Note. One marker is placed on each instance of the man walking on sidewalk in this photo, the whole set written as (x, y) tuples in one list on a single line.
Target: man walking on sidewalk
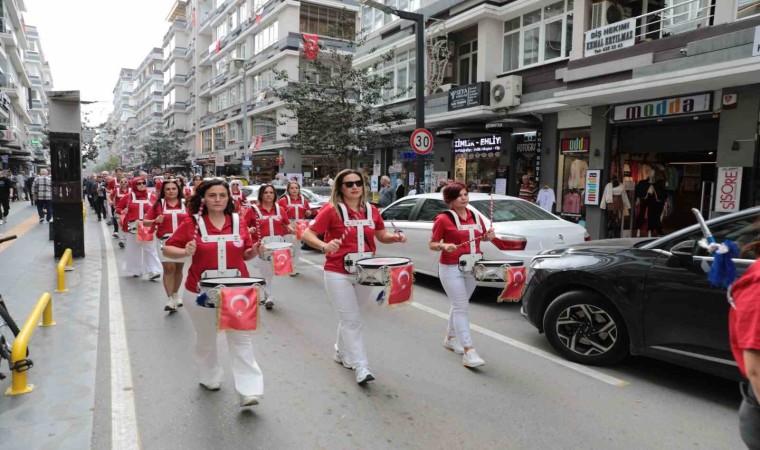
[(6, 191), (99, 197), (42, 188)]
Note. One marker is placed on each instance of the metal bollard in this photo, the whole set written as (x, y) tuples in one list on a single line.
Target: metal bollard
[(65, 264), (20, 364)]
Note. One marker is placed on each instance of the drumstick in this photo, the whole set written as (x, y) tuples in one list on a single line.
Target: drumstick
[(491, 209), (198, 218)]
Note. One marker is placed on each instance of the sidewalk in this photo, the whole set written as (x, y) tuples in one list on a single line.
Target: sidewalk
[(58, 413)]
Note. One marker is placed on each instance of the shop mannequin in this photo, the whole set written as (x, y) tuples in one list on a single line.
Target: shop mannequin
[(615, 201), (546, 198), (650, 198)]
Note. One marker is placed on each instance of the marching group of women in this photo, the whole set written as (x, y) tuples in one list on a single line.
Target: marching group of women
[(211, 224)]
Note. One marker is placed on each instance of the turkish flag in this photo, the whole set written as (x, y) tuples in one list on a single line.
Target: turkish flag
[(301, 226), (515, 284), (258, 18), (195, 17), (400, 289), (218, 45), (310, 46), (238, 309), (144, 232), (257, 145), (283, 262)]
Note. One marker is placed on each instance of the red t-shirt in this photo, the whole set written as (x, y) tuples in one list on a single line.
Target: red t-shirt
[(279, 224), (445, 228), (189, 190), (205, 257), (239, 202), (117, 194), (111, 185), (301, 205), (166, 227), (330, 223), (131, 210), (744, 319)]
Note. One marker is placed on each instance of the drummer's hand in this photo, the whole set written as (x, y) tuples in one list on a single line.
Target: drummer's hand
[(399, 236), (332, 246), (249, 253), (190, 248), (308, 213), (448, 247), (489, 235), (251, 230), (160, 219)]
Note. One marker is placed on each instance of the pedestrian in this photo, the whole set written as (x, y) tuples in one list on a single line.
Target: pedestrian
[(190, 189), (119, 192), (20, 183), (339, 221), (42, 189), (28, 187), (89, 189), (141, 258), (744, 337), (166, 215), (456, 233), (400, 190), (527, 190), (211, 206), (99, 196), (14, 194), (6, 192), (297, 208), (386, 192), (238, 198), (267, 223), (413, 190)]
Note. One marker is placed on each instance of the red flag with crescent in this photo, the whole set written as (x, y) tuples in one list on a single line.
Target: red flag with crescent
[(515, 284), (218, 45), (400, 289), (283, 262), (310, 46), (144, 232), (238, 309), (257, 145), (258, 18), (301, 226)]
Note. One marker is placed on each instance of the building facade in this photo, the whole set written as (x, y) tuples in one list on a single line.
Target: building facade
[(41, 82), (120, 131), (147, 100)]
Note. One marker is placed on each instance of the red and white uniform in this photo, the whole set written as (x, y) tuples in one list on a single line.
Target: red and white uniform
[(240, 202), (744, 317), (173, 216), (188, 191), (140, 258), (296, 209), (271, 222), (447, 229), (117, 194)]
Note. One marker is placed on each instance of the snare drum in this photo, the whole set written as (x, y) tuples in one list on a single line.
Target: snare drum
[(493, 270), (271, 247), (211, 286), (376, 271)]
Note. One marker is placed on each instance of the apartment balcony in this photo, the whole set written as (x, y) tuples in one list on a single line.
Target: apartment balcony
[(174, 108), (36, 104), (173, 82), (169, 57), (7, 33)]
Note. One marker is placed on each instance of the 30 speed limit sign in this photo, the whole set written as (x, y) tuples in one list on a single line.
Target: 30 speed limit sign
[(421, 141)]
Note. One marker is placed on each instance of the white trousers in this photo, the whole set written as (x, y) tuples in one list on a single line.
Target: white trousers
[(249, 380), (141, 258), (459, 287), (266, 269), (296, 249), (345, 296)]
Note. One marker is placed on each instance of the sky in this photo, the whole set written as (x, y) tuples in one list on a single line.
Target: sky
[(88, 42)]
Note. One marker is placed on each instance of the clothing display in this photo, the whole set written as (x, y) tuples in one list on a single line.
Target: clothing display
[(572, 202), (615, 198), (577, 177), (546, 198)]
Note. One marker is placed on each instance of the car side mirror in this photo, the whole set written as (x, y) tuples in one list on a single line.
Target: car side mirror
[(683, 253)]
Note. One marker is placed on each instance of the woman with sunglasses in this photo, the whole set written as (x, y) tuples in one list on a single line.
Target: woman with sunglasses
[(166, 215), (141, 258), (238, 199), (120, 190), (212, 203), (348, 202), (297, 208), (268, 223)]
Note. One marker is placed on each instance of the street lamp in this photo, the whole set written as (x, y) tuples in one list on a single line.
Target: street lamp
[(240, 64), (419, 20)]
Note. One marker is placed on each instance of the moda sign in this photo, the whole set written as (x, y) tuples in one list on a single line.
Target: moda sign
[(668, 107)]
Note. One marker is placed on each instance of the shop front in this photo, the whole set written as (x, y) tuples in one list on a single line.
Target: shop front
[(480, 162), (572, 163), (265, 165)]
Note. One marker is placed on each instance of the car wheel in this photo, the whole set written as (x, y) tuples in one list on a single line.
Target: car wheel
[(585, 328)]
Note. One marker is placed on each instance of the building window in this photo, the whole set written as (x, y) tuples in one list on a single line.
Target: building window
[(468, 63), (233, 132), (373, 19), (747, 8), (401, 73), (220, 139), (328, 22), (266, 38), (540, 36), (265, 126), (206, 144)]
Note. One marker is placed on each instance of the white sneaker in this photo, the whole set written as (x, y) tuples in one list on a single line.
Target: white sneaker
[(154, 275), (338, 358), (472, 359), (178, 300), (249, 400), (363, 375), (452, 343), (171, 305)]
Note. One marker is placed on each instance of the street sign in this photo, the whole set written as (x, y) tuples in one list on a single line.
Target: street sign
[(421, 141), (219, 160)]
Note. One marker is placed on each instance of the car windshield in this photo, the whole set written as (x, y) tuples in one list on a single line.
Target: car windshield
[(511, 210)]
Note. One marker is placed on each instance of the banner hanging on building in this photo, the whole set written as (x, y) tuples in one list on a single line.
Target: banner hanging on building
[(729, 187)]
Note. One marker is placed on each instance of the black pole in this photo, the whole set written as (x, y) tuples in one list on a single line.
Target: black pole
[(419, 20)]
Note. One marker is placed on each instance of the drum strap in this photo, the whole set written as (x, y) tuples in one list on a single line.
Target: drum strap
[(271, 219), (173, 212), (469, 228), (359, 224), (140, 204), (296, 206), (220, 239)]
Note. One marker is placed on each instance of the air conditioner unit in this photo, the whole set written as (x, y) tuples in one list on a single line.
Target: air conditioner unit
[(506, 92), (444, 88), (607, 12)]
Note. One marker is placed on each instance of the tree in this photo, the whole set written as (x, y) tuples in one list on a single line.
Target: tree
[(164, 149), (340, 110), (110, 165)]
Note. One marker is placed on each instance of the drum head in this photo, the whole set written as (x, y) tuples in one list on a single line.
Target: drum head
[(231, 281), (277, 245), (381, 262)]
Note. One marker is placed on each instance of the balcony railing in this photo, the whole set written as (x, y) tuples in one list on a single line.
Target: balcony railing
[(685, 16)]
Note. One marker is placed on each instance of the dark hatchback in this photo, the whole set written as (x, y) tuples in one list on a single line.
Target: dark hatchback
[(600, 301)]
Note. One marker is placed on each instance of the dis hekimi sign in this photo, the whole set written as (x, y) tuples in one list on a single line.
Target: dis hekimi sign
[(666, 107)]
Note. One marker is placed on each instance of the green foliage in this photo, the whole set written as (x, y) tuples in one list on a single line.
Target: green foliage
[(112, 163), (164, 149)]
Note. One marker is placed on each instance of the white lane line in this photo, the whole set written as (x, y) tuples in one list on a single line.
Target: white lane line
[(530, 349), (123, 418), (310, 263)]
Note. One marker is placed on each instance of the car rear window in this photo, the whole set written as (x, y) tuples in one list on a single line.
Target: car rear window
[(512, 210)]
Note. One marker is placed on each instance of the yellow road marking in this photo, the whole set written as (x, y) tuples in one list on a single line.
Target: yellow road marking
[(19, 230)]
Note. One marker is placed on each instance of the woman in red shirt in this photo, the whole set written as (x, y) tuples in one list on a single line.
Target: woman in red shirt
[(239, 200), (166, 215), (297, 208), (191, 187), (456, 233), (141, 258), (268, 223), (119, 191), (348, 203), (212, 203)]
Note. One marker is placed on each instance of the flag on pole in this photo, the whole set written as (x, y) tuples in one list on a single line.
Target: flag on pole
[(257, 145), (258, 18), (238, 309), (515, 284), (283, 262), (218, 45), (400, 288), (310, 46)]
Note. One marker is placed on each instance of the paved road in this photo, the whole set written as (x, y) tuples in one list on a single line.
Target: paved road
[(423, 396)]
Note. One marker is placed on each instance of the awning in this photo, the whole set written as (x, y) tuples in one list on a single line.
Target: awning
[(514, 122)]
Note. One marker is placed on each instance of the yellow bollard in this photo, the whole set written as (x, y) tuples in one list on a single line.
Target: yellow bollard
[(43, 308), (66, 263)]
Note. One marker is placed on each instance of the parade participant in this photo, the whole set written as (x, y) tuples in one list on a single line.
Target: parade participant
[(121, 190), (268, 223), (141, 257), (297, 208), (456, 234), (190, 188), (350, 226), (238, 198), (166, 215), (212, 206)]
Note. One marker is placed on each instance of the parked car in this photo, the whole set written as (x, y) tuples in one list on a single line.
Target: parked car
[(600, 301), (316, 202), (528, 228)]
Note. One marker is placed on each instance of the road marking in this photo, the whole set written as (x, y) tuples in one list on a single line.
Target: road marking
[(310, 263), (530, 349), (19, 230), (123, 418)]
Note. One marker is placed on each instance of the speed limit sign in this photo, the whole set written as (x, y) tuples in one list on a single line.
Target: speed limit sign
[(421, 141)]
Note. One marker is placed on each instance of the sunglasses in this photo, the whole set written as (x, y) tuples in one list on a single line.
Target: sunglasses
[(350, 184), (140, 183)]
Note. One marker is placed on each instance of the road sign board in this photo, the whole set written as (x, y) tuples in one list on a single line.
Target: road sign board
[(421, 141), (219, 160)]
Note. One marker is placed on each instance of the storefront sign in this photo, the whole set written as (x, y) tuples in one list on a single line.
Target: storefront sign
[(482, 144), (526, 142), (468, 96), (728, 194), (668, 107), (610, 37), (593, 188), (537, 167), (577, 145)]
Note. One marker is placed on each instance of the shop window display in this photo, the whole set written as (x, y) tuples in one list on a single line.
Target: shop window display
[(573, 162)]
